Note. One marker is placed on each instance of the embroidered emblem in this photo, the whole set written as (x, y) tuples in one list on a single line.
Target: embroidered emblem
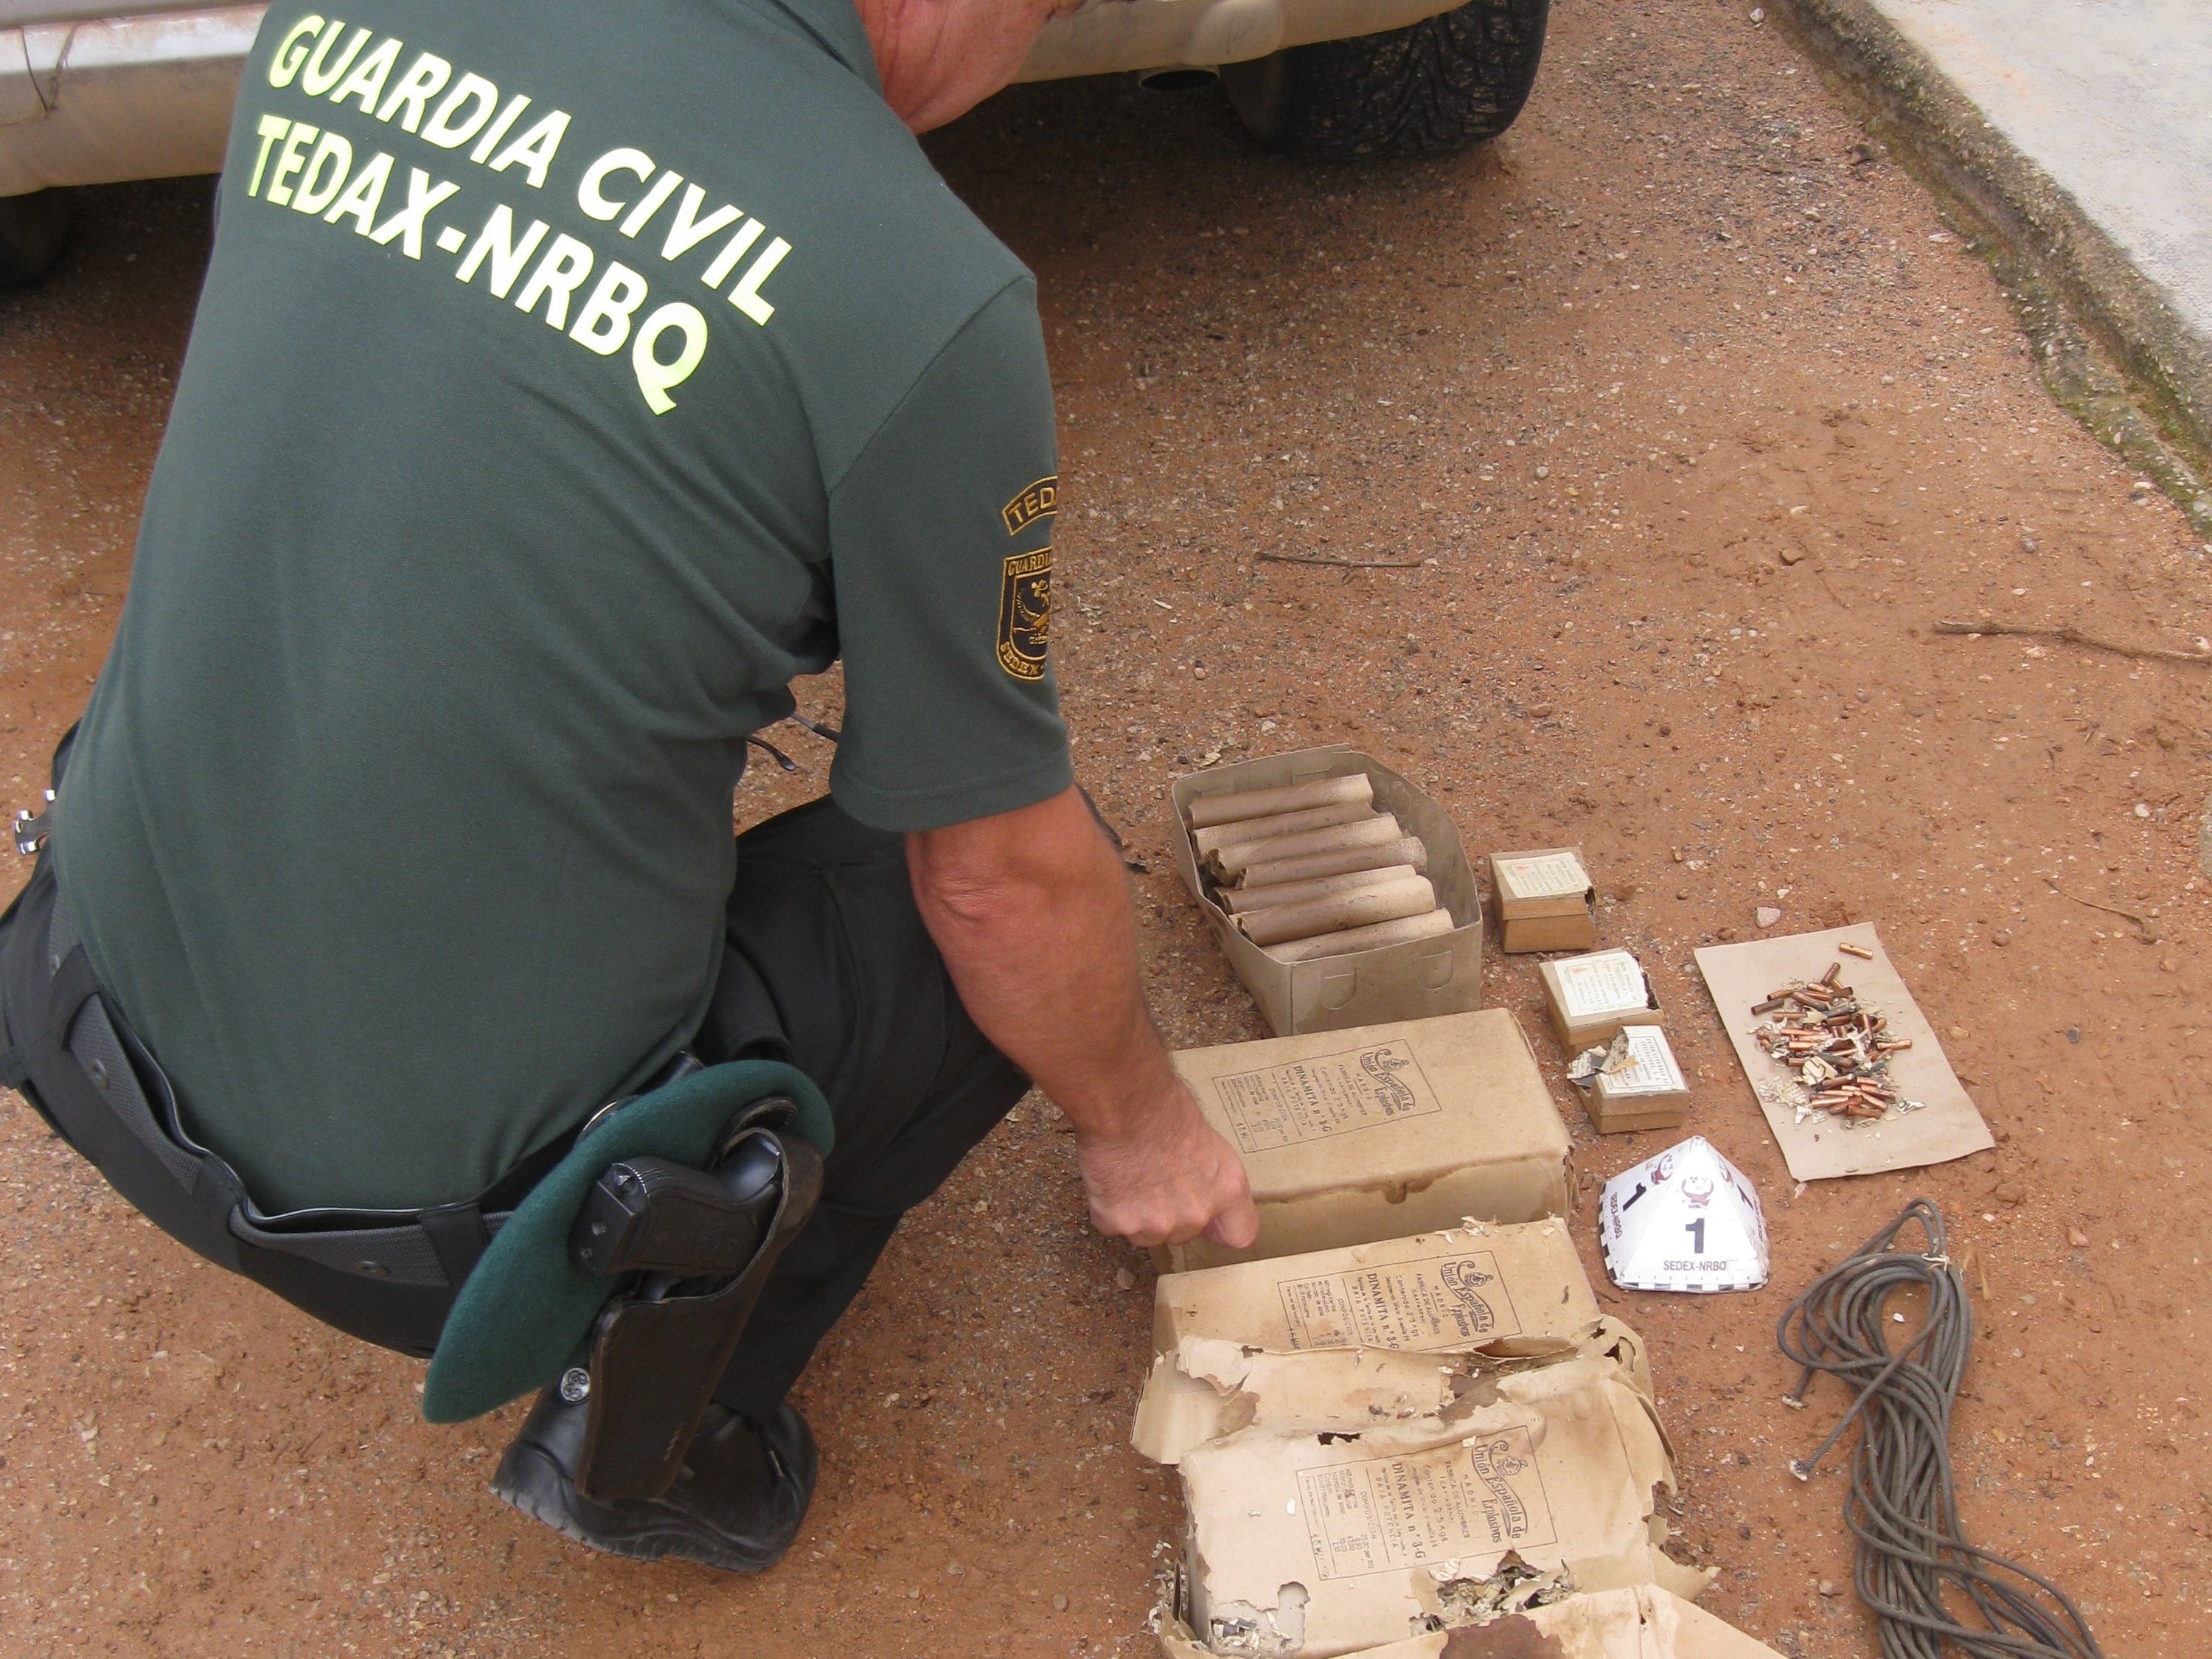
[(1025, 613), (1041, 500)]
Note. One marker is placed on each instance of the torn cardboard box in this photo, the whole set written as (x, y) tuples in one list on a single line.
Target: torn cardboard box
[(1320, 1540), (1206, 1387), (1401, 967), (1350, 1137), (1646, 1090), (1462, 1288), (1545, 900), (1644, 1622), (1592, 997)]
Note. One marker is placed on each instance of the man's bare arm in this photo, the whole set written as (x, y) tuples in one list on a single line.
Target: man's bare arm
[(1031, 911)]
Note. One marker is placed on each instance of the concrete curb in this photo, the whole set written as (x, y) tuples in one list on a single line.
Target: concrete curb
[(2109, 343)]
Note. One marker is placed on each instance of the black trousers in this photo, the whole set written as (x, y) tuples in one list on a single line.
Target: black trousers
[(826, 964), (828, 957)]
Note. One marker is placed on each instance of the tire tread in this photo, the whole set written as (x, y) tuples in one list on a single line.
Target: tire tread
[(1454, 80)]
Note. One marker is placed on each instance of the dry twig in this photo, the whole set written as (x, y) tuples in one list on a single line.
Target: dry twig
[(2142, 926), (1343, 564), (2070, 635)]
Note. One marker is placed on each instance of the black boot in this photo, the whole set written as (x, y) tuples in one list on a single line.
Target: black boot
[(735, 1505)]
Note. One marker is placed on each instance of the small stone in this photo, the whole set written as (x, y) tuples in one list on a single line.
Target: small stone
[(1679, 854), (1543, 471), (2073, 1034), (913, 1592), (2010, 1192), (2168, 965), (1768, 915), (2076, 1237), (1792, 555), (1128, 1517), (1124, 1279), (1060, 1604), (1829, 1587), (1728, 935), (1667, 731), (2001, 936), (1958, 1030), (2142, 808), (1683, 894)]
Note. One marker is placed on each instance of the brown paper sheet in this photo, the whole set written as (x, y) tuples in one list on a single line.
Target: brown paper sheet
[(1946, 1126)]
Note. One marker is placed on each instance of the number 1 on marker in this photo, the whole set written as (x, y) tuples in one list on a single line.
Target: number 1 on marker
[(1697, 1232)]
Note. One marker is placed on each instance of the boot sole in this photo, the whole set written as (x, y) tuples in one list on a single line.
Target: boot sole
[(530, 1481)]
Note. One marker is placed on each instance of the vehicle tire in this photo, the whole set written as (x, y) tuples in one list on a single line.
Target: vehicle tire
[(32, 231), (1449, 81)]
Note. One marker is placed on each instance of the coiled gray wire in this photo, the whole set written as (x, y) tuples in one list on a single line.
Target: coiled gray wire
[(1914, 1566)]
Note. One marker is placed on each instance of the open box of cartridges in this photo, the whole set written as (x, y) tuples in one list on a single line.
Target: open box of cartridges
[(1376, 869)]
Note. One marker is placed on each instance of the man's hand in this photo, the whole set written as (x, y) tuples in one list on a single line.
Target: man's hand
[(1169, 1182), (1031, 911)]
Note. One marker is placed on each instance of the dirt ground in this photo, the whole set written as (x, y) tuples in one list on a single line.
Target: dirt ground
[(1696, 414)]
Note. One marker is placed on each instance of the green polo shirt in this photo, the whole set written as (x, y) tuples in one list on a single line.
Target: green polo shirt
[(567, 379)]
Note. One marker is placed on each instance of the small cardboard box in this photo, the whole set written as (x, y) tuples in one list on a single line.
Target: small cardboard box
[(1648, 1093), (1416, 980), (1321, 1538), (1545, 900), (1643, 1622), (1464, 1288), (1593, 997), (1349, 1137)]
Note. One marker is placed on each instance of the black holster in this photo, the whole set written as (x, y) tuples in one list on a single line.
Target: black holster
[(659, 1347)]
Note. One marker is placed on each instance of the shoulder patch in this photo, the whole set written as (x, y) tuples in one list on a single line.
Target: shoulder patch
[(1039, 501), (1025, 613)]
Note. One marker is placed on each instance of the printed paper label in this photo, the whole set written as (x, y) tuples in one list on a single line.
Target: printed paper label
[(1553, 875), (1443, 1302), (1607, 983), (1333, 1095), (1391, 1513), (1650, 1070)]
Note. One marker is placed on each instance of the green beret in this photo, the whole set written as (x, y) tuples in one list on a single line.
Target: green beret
[(527, 1309)]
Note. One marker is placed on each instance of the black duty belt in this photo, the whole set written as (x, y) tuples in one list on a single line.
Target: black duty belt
[(385, 1275)]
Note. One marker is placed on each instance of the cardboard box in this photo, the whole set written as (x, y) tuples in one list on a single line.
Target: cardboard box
[(1545, 900), (1643, 1622), (1479, 1286), (1320, 1539), (1206, 1387), (1649, 1093), (1592, 997), (1351, 1137), (1420, 979)]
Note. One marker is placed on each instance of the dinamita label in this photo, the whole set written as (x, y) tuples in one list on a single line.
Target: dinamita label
[(1333, 1095), (1442, 1302), (1545, 875), (1387, 1514), (1650, 1070), (1606, 983)]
